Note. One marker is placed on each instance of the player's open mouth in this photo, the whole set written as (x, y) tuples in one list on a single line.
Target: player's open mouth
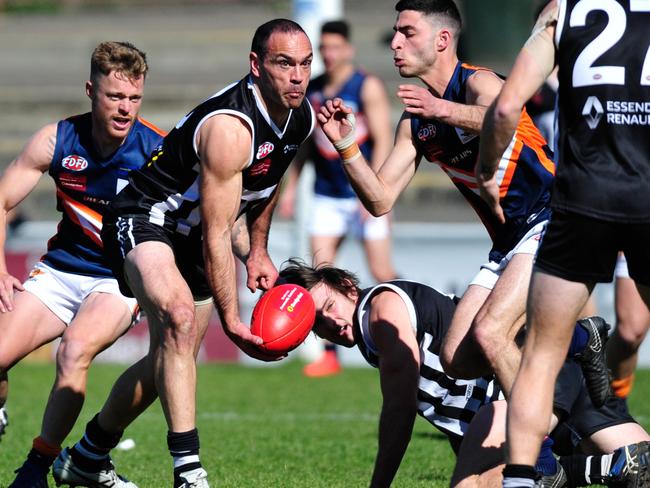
[(121, 123)]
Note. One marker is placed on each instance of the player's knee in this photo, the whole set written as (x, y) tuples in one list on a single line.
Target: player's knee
[(73, 356), (181, 329), (486, 334), (450, 362)]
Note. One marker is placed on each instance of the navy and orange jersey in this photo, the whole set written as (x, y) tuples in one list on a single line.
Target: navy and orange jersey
[(85, 184), (330, 177), (525, 172)]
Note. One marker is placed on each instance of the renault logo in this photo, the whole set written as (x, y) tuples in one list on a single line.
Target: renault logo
[(592, 111)]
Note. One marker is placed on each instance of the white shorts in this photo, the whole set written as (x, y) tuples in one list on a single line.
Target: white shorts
[(621, 267), (63, 292), (342, 216), (491, 271)]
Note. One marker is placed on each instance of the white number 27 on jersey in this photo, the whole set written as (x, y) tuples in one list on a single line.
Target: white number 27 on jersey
[(584, 74)]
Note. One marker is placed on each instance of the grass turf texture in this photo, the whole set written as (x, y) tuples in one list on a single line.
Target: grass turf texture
[(260, 427)]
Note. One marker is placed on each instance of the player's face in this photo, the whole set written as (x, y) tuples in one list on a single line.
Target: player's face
[(413, 44), (334, 313), (335, 50), (285, 69), (116, 101)]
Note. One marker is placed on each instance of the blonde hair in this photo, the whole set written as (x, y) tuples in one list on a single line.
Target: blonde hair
[(122, 57)]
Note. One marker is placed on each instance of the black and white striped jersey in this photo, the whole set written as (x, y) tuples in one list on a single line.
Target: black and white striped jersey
[(449, 404), (167, 186)]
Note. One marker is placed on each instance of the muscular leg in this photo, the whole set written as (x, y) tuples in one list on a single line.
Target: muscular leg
[(553, 307), (163, 293), (501, 317), (380, 262), (460, 355), (100, 321), (632, 323), (30, 325), (135, 389)]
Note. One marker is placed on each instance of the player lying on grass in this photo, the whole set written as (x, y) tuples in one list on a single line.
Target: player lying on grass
[(398, 327)]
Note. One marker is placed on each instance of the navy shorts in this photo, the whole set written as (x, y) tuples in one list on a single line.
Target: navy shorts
[(583, 249)]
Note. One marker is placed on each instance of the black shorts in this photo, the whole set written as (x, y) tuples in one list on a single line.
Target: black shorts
[(583, 249), (123, 233), (585, 420)]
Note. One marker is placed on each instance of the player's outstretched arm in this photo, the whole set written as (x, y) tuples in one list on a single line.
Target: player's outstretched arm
[(18, 180), (534, 64), (399, 361), (378, 191), (224, 148)]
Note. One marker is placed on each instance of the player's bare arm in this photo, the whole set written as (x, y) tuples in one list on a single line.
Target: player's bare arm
[(399, 361), (18, 180), (483, 87), (240, 239), (533, 65), (377, 110), (224, 148), (377, 191), (261, 271)]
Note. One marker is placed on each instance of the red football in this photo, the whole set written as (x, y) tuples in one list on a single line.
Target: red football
[(283, 317)]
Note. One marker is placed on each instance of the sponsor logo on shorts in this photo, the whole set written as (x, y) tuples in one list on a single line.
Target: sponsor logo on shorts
[(74, 163), (264, 150)]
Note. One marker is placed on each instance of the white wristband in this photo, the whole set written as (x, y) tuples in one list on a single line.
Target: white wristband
[(349, 140)]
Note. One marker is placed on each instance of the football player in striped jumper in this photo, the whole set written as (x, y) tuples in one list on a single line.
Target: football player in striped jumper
[(398, 326), (173, 234), (442, 124), (71, 293)]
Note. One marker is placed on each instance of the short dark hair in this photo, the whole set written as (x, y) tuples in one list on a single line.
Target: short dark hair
[(340, 27), (297, 272), (264, 31), (445, 8)]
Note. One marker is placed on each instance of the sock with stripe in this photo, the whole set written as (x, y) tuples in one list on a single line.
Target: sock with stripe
[(91, 452), (519, 476), (184, 448), (42, 453), (582, 470)]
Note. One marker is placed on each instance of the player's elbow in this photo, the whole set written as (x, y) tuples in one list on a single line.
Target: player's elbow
[(506, 108)]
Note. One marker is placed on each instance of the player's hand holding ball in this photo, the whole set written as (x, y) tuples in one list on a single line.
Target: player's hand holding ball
[(283, 317)]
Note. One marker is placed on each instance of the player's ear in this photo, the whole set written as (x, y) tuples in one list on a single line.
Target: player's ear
[(444, 40), (89, 89), (255, 62)]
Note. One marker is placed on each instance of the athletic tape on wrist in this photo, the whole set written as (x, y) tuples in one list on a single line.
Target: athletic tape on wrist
[(347, 147)]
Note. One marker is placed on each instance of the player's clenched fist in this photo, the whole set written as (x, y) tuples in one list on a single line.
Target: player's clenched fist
[(337, 121)]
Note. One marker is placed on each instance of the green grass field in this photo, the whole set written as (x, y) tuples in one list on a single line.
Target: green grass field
[(260, 427)]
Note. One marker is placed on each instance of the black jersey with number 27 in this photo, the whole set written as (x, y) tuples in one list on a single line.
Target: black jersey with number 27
[(603, 53)]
